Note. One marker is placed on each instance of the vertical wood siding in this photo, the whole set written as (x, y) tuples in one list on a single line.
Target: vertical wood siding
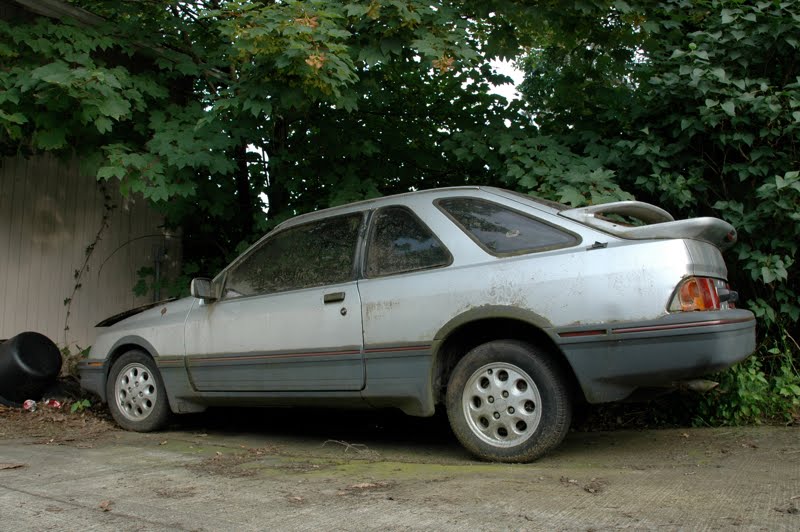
[(49, 214)]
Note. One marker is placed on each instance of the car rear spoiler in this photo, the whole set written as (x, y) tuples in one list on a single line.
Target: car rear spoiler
[(660, 223)]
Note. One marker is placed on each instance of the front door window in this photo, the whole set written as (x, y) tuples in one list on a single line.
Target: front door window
[(309, 255)]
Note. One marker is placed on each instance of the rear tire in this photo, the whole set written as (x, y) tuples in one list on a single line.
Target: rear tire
[(508, 401), (136, 395)]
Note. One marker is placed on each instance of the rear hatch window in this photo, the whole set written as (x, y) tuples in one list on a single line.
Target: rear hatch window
[(501, 230)]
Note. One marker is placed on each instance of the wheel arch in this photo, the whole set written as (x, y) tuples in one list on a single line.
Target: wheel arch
[(120, 347), (483, 324)]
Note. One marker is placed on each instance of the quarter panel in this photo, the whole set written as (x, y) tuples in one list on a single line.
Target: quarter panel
[(707, 260), (565, 287)]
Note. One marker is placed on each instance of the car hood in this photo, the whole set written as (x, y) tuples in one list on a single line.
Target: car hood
[(147, 311)]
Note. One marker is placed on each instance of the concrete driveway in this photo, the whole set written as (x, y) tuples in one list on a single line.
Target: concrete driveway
[(319, 470)]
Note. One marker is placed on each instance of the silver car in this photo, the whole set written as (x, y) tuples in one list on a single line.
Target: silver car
[(504, 308)]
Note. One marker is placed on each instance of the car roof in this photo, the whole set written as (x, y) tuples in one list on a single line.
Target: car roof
[(431, 194), (418, 195)]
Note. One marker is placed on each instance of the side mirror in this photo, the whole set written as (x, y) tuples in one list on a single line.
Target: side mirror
[(201, 288)]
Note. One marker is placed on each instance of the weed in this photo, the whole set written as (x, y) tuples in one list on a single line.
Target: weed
[(71, 356), (80, 406), (765, 387)]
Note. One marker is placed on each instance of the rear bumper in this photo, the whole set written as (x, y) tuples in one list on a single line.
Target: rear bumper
[(612, 360), (93, 377)]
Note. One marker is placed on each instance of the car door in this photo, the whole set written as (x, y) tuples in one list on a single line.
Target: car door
[(404, 287), (289, 316)]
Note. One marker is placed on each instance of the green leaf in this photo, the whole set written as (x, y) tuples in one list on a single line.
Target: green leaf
[(370, 55), (727, 16), (107, 172), (14, 118), (57, 73), (356, 10), (103, 124), (729, 107), (114, 107), (391, 46), (571, 196), (622, 6), (257, 107), (51, 139), (348, 102)]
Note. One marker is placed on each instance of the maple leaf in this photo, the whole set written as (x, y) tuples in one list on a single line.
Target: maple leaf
[(316, 61), (311, 22), (444, 63)]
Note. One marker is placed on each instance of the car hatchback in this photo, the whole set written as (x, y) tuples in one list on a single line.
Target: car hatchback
[(504, 308)]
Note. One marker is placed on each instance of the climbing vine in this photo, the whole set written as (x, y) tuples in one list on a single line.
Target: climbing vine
[(108, 208)]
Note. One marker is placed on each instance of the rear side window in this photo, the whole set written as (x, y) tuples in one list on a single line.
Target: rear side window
[(400, 242), (501, 230)]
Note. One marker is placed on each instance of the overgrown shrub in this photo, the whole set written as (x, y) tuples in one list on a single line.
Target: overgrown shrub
[(695, 107)]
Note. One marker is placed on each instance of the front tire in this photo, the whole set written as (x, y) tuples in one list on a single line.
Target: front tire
[(507, 401), (136, 395)]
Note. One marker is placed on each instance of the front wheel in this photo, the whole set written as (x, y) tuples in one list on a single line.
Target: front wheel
[(508, 402), (136, 395)]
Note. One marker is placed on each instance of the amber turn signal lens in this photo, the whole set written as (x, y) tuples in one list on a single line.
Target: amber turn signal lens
[(696, 293)]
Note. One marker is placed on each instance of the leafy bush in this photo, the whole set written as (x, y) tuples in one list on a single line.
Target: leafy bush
[(695, 107), (747, 394)]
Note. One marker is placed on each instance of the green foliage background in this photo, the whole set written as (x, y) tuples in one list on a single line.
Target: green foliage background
[(217, 110), (695, 106)]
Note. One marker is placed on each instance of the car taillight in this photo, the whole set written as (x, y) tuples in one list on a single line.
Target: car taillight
[(696, 293)]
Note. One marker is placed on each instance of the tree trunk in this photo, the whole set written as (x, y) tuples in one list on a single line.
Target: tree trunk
[(244, 194), (276, 191)]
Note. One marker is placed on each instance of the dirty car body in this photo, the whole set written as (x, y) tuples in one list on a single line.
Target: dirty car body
[(504, 308)]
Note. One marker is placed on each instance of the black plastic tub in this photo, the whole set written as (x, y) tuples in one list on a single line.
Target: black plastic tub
[(29, 364)]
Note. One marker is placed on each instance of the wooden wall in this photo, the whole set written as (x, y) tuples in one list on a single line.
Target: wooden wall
[(49, 214)]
